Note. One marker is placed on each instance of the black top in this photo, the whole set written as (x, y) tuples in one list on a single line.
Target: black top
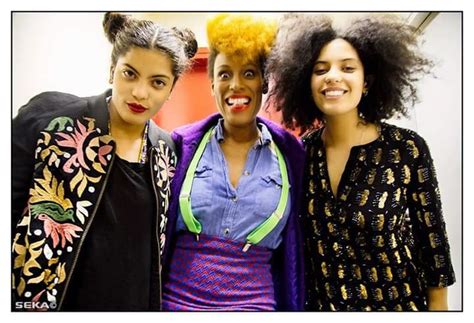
[(382, 241), (113, 271)]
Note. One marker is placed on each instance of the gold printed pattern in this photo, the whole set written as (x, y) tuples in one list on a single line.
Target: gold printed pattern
[(344, 292), (311, 207), (373, 275), (395, 156), (406, 175), (378, 156), (320, 247), (382, 200), (388, 174), (340, 271), (424, 198), (388, 274), (378, 295), (364, 197), (423, 175), (360, 220), (356, 272), (413, 149), (379, 220), (363, 245), (363, 291), (371, 176)]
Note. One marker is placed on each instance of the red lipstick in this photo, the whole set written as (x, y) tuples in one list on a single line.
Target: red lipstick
[(137, 108)]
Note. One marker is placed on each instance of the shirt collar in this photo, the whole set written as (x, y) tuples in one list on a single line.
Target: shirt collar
[(264, 135)]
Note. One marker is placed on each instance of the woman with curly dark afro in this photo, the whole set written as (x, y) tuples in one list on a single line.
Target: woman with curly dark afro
[(375, 238)]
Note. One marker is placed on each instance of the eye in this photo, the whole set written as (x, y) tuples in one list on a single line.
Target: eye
[(128, 74), (348, 69), (319, 70), (249, 73), (223, 75), (159, 84)]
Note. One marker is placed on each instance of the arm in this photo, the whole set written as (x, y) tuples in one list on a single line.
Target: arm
[(23, 146), (438, 298), (429, 227)]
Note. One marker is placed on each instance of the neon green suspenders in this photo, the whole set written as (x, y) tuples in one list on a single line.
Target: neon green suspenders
[(259, 232)]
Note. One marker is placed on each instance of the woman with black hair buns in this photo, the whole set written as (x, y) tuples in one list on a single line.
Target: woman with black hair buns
[(91, 180)]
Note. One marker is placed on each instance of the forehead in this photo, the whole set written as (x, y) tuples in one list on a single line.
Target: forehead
[(338, 49), (234, 61), (147, 61)]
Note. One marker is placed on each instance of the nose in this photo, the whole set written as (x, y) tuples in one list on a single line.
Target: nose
[(140, 91), (236, 83), (332, 76)]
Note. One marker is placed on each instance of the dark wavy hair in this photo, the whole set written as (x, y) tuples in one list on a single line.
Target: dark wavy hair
[(387, 48), (124, 33)]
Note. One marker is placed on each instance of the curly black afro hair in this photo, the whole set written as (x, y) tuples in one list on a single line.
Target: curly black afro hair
[(387, 47)]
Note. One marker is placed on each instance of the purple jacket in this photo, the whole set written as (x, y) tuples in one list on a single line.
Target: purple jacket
[(287, 263)]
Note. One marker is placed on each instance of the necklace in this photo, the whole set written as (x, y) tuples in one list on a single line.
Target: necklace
[(143, 144)]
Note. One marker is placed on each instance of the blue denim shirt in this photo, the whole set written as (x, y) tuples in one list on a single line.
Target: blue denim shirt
[(232, 213)]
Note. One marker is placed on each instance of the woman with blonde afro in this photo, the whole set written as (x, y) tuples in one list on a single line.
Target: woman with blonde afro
[(236, 245)]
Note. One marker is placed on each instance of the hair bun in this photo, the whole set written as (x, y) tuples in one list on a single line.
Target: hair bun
[(189, 40), (113, 23)]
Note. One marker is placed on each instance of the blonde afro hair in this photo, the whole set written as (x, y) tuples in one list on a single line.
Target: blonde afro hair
[(244, 37)]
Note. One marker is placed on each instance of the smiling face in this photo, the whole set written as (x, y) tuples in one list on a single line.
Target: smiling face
[(237, 88), (337, 82), (142, 81)]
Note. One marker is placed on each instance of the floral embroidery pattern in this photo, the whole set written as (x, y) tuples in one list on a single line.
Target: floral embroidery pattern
[(71, 161), (165, 164)]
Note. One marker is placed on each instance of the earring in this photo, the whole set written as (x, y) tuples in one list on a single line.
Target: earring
[(365, 92)]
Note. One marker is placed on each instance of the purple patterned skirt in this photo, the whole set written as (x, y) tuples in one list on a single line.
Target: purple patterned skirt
[(214, 274)]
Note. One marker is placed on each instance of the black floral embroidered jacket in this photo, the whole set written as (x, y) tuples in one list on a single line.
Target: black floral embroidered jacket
[(61, 157)]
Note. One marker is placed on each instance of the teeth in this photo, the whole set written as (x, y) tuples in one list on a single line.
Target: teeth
[(334, 93), (238, 101)]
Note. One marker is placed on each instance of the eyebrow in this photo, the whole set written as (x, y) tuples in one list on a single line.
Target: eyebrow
[(153, 76), (342, 60)]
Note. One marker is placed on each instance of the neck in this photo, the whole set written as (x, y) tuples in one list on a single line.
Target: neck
[(119, 129), (241, 135), (345, 129)]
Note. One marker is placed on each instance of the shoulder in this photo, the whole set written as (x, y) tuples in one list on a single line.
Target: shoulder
[(159, 136), (52, 104), (311, 137), (398, 134), (45, 107), (280, 135), (405, 140), (194, 131)]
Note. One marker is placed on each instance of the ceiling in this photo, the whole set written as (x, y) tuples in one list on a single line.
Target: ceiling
[(196, 21)]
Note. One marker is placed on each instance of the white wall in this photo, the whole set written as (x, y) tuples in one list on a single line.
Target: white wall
[(65, 52), (437, 118)]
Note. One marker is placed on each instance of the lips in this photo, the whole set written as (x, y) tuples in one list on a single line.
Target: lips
[(137, 108), (333, 93), (238, 103)]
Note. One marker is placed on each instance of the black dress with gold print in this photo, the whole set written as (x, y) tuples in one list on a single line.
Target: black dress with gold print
[(382, 241)]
